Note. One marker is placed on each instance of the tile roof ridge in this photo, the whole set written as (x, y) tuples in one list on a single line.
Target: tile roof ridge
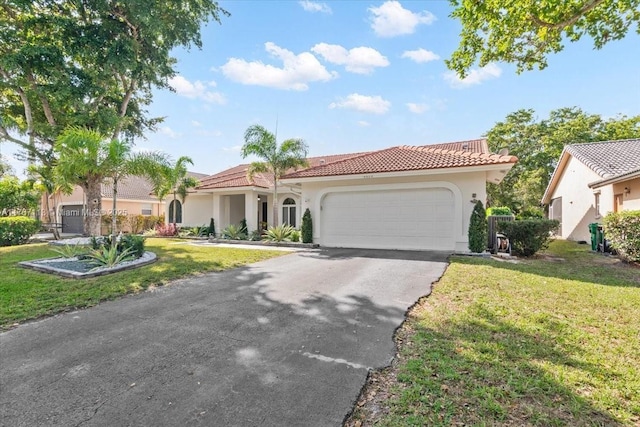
[(575, 144), (463, 153)]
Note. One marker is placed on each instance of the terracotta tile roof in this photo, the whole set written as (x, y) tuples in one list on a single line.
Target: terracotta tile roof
[(608, 159), (137, 187), (405, 158), (130, 188), (475, 145), (237, 176)]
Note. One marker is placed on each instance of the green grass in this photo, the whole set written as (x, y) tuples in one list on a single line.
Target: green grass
[(27, 294), (544, 342)]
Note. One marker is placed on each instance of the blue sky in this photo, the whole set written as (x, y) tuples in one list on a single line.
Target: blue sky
[(351, 76)]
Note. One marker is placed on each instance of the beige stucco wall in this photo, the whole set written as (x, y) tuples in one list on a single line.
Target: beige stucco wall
[(123, 206), (630, 200), (463, 185), (578, 200)]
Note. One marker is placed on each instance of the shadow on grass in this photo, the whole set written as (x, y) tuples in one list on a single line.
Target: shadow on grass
[(582, 269), (481, 370)]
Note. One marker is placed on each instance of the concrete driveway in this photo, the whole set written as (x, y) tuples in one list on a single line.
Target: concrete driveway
[(287, 341)]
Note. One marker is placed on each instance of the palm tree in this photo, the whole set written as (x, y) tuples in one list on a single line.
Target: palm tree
[(83, 159), (174, 179), (54, 186), (276, 160), (123, 162)]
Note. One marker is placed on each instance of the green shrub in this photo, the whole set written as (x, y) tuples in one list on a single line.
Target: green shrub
[(255, 236), (133, 242), (243, 226), (130, 243), (478, 229), (233, 232), (281, 233), (622, 231), (528, 236), (295, 236), (307, 227), (16, 230), (499, 210), (531, 213)]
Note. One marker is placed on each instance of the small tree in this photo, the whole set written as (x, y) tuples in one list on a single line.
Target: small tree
[(307, 227), (478, 229), (212, 227)]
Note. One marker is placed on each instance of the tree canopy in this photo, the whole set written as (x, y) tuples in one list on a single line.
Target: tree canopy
[(538, 144), (525, 32), (66, 63)]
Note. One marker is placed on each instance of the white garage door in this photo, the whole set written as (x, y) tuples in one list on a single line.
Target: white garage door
[(394, 219)]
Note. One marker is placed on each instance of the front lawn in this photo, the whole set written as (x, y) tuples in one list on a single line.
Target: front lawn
[(27, 294), (550, 341)]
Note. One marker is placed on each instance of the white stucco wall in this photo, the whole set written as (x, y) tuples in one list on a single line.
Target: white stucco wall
[(196, 210), (463, 185), (578, 200)]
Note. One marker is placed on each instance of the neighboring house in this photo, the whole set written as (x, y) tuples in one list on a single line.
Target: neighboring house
[(134, 198), (401, 197), (591, 180)]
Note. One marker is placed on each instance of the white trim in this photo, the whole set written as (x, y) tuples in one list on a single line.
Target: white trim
[(421, 172), (232, 190), (457, 197)]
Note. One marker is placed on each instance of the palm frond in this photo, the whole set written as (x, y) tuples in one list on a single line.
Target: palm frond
[(257, 167)]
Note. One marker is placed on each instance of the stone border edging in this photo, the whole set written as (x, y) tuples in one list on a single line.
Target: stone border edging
[(264, 243), (44, 268)]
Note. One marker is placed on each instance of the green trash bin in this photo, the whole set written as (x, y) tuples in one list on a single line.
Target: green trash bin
[(595, 237)]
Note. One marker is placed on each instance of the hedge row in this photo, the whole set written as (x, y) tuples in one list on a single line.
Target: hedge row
[(622, 230), (528, 236), (15, 230)]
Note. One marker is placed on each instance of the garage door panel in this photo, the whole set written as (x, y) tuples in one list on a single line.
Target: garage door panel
[(393, 219)]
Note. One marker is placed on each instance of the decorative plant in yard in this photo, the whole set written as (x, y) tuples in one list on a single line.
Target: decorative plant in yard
[(622, 230), (307, 227), (109, 256), (233, 232), (71, 251), (281, 233), (167, 230), (212, 227), (478, 229), (528, 236)]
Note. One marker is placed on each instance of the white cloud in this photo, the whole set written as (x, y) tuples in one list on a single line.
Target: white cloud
[(196, 90), (474, 77), (297, 71), (417, 108), (359, 60), (420, 55), (312, 6), (363, 103), (167, 131), (391, 19), (196, 123), (363, 123)]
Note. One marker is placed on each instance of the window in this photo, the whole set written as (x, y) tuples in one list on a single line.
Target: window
[(289, 212), (597, 204), (178, 209), (146, 209)]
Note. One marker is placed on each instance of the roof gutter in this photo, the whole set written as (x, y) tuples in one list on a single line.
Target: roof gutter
[(613, 180)]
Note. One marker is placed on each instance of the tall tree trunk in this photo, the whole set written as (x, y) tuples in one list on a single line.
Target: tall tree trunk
[(114, 217), (175, 209), (275, 201), (93, 211)]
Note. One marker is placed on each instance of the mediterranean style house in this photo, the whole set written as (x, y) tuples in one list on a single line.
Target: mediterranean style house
[(402, 197)]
